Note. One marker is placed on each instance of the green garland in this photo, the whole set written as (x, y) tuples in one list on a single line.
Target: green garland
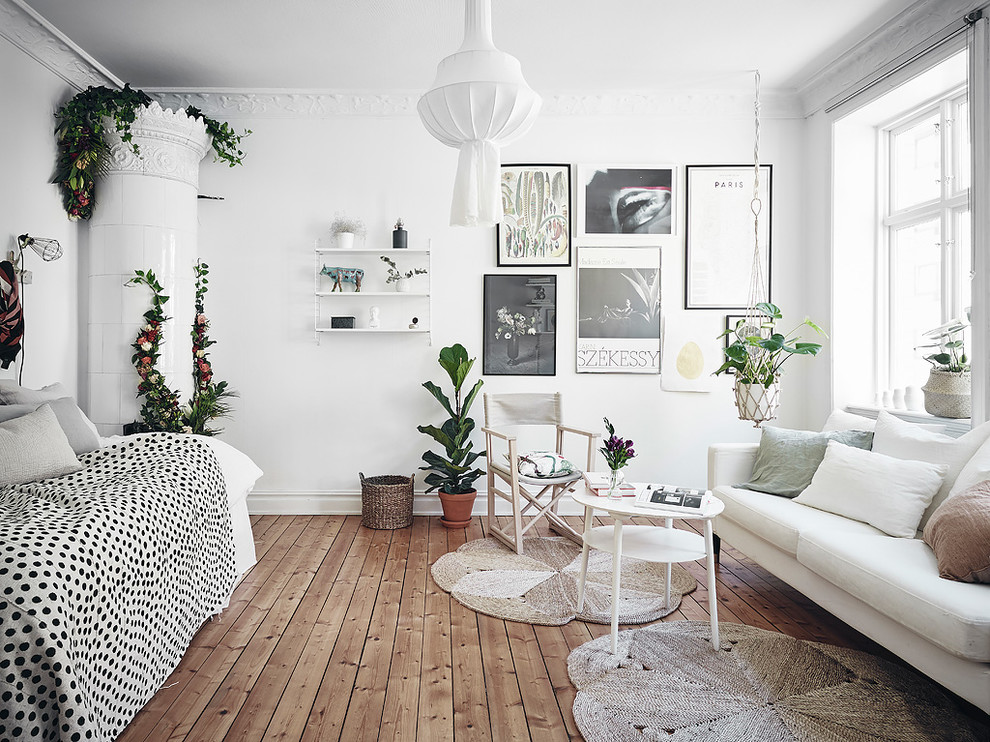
[(83, 151)]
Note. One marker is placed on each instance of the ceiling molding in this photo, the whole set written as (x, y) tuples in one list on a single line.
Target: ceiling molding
[(40, 40), (895, 39), (322, 104)]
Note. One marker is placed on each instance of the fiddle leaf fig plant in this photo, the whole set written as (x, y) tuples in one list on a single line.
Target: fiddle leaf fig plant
[(453, 472), (757, 354)]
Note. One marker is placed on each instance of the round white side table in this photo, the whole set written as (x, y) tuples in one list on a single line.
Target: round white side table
[(650, 543)]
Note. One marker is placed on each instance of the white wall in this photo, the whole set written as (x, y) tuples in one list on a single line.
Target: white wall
[(28, 203), (313, 416)]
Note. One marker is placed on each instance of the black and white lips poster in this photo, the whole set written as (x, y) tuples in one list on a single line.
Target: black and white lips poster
[(618, 322), (635, 202)]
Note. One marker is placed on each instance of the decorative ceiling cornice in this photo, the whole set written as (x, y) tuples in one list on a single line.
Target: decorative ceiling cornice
[(226, 104), (894, 39), (39, 39)]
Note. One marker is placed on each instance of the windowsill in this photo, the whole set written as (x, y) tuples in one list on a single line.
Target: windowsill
[(954, 427)]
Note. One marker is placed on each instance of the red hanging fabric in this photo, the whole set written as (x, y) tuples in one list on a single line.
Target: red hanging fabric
[(11, 316)]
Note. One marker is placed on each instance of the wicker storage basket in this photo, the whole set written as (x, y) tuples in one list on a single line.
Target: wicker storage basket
[(386, 501)]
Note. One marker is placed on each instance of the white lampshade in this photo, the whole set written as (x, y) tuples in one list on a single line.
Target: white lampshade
[(478, 101)]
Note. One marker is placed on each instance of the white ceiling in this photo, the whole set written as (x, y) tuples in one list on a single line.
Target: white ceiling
[(563, 45)]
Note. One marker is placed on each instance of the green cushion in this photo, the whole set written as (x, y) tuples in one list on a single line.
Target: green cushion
[(788, 459)]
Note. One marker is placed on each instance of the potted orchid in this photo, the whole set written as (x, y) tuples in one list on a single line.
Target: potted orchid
[(512, 326), (617, 452)]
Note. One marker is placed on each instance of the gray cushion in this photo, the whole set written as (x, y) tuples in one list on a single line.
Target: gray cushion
[(34, 447), (788, 459), (11, 393), (77, 428)]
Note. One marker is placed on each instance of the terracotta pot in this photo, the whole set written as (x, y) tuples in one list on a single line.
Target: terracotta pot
[(457, 508)]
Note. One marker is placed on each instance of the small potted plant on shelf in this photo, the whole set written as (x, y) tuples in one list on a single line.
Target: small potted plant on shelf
[(949, 388), (453, 473), (756, 356), (343, 229), (400, 279)]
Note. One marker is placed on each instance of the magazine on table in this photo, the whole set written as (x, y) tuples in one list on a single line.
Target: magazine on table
[(670, 497)]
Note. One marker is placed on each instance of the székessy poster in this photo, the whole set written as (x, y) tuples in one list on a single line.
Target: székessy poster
[(618, 322)]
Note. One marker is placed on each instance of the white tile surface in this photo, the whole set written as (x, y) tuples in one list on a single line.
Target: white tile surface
[(109, 191), (104, 398), (105, 299), (123, 249), (143, 200)]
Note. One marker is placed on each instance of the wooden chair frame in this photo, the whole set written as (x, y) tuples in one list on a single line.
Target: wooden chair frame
[(518, 492)]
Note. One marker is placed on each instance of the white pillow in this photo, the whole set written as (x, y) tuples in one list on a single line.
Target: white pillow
[(904, 440), (888, 493), (976, 470), (544, 465), (842, 420), (34, 447)]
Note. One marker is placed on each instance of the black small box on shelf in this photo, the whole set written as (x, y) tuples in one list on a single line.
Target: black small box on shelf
[(341, 323)]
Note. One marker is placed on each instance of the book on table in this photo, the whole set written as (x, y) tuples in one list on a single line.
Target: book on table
[(670, 497), (597, 482)]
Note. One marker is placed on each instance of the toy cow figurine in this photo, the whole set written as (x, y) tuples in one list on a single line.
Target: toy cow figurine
[(344, 275)]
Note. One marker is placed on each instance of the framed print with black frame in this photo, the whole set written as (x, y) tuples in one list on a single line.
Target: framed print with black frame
[(520, 332), (536, 227), (626, 204), (718, 261)]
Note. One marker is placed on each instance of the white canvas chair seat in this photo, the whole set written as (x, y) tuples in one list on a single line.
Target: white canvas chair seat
[(541, 495)]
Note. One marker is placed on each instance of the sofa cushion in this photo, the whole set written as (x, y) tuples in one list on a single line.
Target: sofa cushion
[(899, 578), (787, 459), (959, 534), (778, 520), (904, 440)]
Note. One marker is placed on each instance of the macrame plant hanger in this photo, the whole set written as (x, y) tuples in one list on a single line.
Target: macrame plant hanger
[(755, 402)]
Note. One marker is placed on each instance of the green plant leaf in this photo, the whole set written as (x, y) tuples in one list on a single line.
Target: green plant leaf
[(437, 392)]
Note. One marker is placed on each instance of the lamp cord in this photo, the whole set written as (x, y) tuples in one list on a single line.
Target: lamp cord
[(19, 276)]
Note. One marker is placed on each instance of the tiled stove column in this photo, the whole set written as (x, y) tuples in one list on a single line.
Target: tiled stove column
[(145, 218)]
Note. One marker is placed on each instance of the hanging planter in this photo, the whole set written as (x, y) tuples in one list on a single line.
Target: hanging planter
[(756, 402), (756, 356)]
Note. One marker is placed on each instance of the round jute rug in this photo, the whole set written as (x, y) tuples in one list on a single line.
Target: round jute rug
[(540, 587), (666, 683)]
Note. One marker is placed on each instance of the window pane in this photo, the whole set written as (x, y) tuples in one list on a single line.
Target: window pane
[(915, 299), (961, 146), (964, 246), (917, 163)]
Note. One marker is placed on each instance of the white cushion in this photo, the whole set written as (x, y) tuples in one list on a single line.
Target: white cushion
[(888, 493), (33, 447), (842, 420), (239, 472), (899, 578), (778, 520), (974, 471), (903, 440)]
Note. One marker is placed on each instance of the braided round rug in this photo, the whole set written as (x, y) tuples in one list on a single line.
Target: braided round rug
[(666, 683), (540, 586)]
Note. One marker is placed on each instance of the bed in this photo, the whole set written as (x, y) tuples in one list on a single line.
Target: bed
[(108, 572)]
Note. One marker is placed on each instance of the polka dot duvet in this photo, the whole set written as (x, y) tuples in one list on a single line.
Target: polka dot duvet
[(105, 576)]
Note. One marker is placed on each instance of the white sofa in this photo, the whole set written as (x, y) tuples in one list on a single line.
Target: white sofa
[(887, 588)]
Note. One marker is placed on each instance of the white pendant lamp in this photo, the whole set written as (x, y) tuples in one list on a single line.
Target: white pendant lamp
[(478, 101)]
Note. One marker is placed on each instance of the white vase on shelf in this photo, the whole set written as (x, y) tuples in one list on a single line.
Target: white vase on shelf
[(403, 285), (345, 240)]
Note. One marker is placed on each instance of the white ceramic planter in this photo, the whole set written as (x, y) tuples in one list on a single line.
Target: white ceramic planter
[(756, 402), (403, 285), (948, 394), (345, 240)]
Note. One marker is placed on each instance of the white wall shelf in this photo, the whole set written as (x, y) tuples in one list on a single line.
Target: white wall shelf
[(397, 307)]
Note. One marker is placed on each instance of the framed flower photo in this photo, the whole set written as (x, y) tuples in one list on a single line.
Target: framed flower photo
[(536, 226), (520, 332), (626, 204)]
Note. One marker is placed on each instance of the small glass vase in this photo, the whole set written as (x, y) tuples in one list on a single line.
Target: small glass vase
[(614, 481)]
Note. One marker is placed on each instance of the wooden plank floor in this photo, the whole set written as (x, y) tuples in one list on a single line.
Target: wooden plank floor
[(338, 633)]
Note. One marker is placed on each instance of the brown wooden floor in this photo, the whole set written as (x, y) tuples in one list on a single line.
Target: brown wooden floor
[(340, 633)]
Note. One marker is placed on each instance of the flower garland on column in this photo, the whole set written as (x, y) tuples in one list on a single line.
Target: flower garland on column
[(161, 405), (208, 399)]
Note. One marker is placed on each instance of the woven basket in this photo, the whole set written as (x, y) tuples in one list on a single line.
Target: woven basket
[(756, 403), (386, 502), (948, 394)]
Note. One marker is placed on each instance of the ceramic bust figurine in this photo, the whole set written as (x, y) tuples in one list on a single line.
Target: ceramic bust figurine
[(375, 318)]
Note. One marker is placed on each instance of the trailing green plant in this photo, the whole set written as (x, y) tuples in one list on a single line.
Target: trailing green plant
[(83, 151), (454, 472), (394, 274), (757, 358), (160, 410), (951, 355), (209, 398)]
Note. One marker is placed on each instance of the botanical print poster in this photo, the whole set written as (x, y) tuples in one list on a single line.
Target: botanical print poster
[(618, 310), (720, 235), (536, 226)]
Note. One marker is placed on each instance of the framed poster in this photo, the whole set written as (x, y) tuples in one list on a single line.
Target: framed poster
[(618, 320), (718, 262), (536, 226), (520, 333), (691, 353), (634, 202)]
